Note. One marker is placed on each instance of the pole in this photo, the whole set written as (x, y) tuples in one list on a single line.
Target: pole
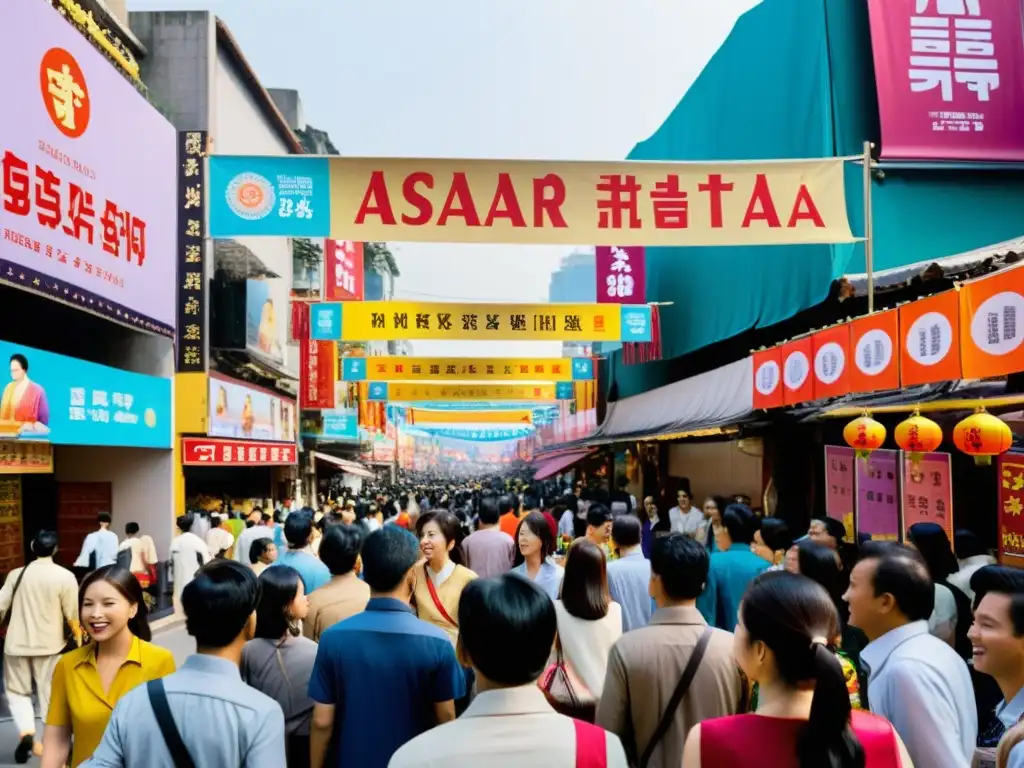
[(869, 261)]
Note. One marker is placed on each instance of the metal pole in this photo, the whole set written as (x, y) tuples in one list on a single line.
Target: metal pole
[(869, 261)]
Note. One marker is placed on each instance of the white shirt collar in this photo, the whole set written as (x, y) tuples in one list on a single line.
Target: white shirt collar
[(877, 652), (440, 577), (521, 700)]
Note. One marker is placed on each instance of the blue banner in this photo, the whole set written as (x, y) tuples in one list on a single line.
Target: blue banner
[(67, 401), (636, 324), (341, 424), (484, 434), (565, 390), (582, 369)]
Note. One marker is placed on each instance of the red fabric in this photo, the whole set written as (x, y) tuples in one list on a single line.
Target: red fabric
[(770, 742), (645, 351), (552, 523), (591, 748), (437, 600)]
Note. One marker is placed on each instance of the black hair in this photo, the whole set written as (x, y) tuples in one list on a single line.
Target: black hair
[(278, 587), (585, 582), (538, 525), (740, 522), (20, 360), (721, 504), (258, 548), (835, 528), (219, 601), (507, 628), (124, 581), (775, 534), (682, 563), (298, 528), (184, 522), (819, 564), (339, 548), (796, 619), (130, 529), (266, 517), (450, 528), (488, 512), (388, 555), (103, 517), (627, 531), (1002, 580), (967, 544), (932, 541), (44, 544), (900, 572), (598, 515), (531, 501)]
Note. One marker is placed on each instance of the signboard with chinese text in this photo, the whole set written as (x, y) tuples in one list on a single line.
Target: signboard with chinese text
[(337, 424), (530, 202), (427, 416), (878, 495), (483, 435), (1011, 508), (318, 363), (768, 378), (874, 343), (930, 333), (242, 410), (88, 180), (621, 274), (207, 452), (343, 270), (12, 546), (990, 341), (831, 364), (948, 75), (191, 347), (25, 457), (466, 369), (928, 491), (839, 496), (419, 392), (398, 320), (797, 380)]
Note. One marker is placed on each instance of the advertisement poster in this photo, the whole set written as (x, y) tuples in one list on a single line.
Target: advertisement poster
[(1011, 508), (266, 317), (343, 268), (77, 224), (190, 342), (878, 498), (12, 548), (66, 401), (621, 274), (839, 500), (244, 411), (948, 75), (928, 491)]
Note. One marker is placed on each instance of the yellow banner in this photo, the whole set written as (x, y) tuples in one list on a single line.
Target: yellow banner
[(420, 416), (461, 369), (565, 203), (419, 392)]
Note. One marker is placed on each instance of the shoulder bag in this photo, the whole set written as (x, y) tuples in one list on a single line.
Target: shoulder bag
[(437, 600), (169, 729), (677, 696), (565, 692)]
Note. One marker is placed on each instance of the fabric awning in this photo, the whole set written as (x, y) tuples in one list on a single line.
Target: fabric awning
[(558, 464), (344, 465)]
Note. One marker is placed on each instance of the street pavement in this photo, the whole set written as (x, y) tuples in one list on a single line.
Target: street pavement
[(169, 634)]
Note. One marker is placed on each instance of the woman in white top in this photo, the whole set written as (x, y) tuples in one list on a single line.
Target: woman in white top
[(589, 622)]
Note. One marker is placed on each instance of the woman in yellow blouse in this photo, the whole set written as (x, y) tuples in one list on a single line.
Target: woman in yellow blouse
[(89, 681), (439, 583)]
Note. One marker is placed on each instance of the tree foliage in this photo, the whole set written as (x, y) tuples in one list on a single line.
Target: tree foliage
[(311, 254), (380, 257)]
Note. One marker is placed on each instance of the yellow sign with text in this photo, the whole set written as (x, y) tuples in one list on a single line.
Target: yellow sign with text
[(464, 369), (420, 392), (420, 416)]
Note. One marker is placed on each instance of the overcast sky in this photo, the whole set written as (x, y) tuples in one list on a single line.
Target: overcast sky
[(523, 79)]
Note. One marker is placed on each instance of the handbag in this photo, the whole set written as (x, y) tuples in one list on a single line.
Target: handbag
[(565, 692), (437, 600), (169, 729)]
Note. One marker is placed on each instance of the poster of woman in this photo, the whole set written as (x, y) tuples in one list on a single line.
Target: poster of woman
[(24, 409)]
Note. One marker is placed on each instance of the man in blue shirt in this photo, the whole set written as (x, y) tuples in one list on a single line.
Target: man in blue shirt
[(382, 677), (629, 577), (298, 531), (100, 547), (731, 570)]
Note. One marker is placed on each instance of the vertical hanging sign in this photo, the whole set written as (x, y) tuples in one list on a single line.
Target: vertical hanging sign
[(190, 339), (1011, 509), (839, 488), (621, 274), (343, 270)]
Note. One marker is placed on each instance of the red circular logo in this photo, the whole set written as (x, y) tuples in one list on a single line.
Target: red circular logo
[(65, 93)]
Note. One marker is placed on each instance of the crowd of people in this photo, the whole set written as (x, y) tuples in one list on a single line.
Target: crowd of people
[(498, 623)]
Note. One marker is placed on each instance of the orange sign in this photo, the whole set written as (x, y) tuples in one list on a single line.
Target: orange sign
[(930, 340), (991, 344), (797, 381), (768, 378), (874, 341), (831, 363), (65, 93)]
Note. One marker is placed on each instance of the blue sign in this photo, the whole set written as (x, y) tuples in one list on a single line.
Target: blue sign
[(325, 321), (378, 391), (565, 390), (479, 434), (582, 369), (636, 323), (276, 196), (341, 424), (67, 401), (353, 368)]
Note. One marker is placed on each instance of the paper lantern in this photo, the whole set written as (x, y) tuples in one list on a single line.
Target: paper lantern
[(864, 435), (982, 436), (918, 436)]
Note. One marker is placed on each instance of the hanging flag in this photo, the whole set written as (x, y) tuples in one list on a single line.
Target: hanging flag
[(768, 378), (831, 362), (797, 382), (873, 342), (621, 274), (1010, 477), (928, 491), (318, 366), (930, 333), (990, 344), (343, 270)]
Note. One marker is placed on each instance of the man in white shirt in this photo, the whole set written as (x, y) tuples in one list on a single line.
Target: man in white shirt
[(100, 547), (219, 539), (683, 518), (258, 530), (915, 680), (188, 554), (507, 628)]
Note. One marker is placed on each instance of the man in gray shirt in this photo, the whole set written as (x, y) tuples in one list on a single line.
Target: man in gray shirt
[(222, 722)]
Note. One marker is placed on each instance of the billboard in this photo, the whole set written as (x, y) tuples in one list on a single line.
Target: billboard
[(266, 317), (240, 410)]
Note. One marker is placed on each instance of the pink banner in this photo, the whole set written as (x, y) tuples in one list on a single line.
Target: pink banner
[(928, 492), (621, 274), (878, 499), (839, 461), (949, 76)]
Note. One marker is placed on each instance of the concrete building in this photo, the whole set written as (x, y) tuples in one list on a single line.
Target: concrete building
[(575, 282)]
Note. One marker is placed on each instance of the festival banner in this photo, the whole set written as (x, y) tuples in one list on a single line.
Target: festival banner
[(343, 270), (773, 202), (466, 369), (928, 491), (318, 364), (878, 496), (768, 378), (398, 320), (418, 392), (421, 416), (839, 474), (930, 331), (208, 452), (1011, 508), (797, 383), (190, 344), (621, 274), (482, 435), (948, 75), (831, 362), (990, 342), (873, 341)]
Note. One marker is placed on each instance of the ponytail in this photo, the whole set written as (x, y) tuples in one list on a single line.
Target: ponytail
[(827, 741)]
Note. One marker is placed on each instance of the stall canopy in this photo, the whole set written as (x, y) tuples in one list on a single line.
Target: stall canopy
[(344, 465), (557, 464)]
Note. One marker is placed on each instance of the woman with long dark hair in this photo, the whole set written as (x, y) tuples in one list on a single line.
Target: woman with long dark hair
[(439, 583), (279, 661), (534, 547), (89, 681), (804, 719), (714, 506), (951, 619)]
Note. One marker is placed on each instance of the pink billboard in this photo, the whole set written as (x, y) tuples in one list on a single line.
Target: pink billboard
[(89, 180), (949, 76), (621, 274)]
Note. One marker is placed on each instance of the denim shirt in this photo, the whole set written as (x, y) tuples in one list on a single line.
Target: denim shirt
[(549, 577)]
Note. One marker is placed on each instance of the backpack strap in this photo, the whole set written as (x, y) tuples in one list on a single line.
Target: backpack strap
[(169, 729), (591, 746)]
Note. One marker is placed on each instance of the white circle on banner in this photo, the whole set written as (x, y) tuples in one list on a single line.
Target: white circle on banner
[(766, 378), (994, 326), (795, 370), (829, 363), (930, 338), (873, 353)]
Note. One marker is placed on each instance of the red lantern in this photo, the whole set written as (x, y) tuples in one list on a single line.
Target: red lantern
[(918, 436), (864, 435), (982, 436)]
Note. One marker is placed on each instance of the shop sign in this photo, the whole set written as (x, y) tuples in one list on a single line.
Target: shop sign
[(241, 410), (343, 275), (878, 496), (928, 491), (318, 362), (530, 202), (67, 401), (948, 74), (991, 340), (397, 320), (873, 341), (621, 274), (203, 451), (1011, 505), (78, 225), (191, 343), (831, 362), (797, 381), (839, 473), (466, 369), (25, 457), (930, 330), (767, 367), (418, 392)]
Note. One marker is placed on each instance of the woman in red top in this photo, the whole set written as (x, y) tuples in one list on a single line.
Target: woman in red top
[(803, 718)]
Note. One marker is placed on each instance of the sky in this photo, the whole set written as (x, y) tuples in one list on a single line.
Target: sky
[(517, 79)]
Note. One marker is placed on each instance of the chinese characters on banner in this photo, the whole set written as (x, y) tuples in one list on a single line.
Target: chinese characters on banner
[(874, 342), (24, 458), (465, 369), (930, 330), (428, 416), (480, 435), (318, 367), (991, 339), (767, 366), (12, 553), (343, 270), (948, 73), (928, 492), (191, 343), (878, 500), (839, 498), (420, 392), (621, 274), (531, 202), (1011, 506), (204, 451), (831, 362)]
